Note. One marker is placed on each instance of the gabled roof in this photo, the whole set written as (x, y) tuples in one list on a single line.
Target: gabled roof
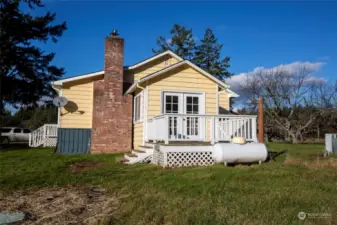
[(176, 65), (79, 77), (168, 52), (98, 73), (150, 76)]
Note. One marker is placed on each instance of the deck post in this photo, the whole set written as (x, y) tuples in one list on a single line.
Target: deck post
[(212, 130), (261, 122), (154, 129), (166, 130)]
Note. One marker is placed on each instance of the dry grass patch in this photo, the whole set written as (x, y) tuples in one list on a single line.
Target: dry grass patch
[(70, 205), (318, 163), (84, 166)]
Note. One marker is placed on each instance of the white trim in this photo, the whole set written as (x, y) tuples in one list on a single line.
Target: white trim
[(229, 102), (219, 82), (217, 99), (89, 75), (232, 93), (202, 99), (145, 112), (168, 52)]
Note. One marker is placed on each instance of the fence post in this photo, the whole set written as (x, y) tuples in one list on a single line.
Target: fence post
[(261, 122)]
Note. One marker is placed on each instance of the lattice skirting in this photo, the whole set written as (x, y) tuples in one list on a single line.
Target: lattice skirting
[(50, 141), (184, 159)]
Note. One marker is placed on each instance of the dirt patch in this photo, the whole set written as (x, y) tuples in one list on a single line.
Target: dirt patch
[(318, 163), (84, 166), (63, 206)]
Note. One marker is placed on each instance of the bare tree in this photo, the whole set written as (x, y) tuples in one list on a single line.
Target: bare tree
[(293, 100)]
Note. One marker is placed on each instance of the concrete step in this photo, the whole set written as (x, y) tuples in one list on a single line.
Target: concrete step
[(137, 156), (138, 151), (145, 146), (131, 154)]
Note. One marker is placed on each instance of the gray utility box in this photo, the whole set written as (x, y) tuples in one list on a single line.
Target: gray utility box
[(331, 143), (73, 141)]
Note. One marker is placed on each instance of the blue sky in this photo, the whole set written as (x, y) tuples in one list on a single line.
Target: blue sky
[(253, 33)]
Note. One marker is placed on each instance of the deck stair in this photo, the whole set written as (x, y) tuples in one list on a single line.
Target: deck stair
[(141, 155)]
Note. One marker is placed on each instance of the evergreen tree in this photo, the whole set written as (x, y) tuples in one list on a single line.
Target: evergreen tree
[(181, 42), (208, 54), (26, 70)]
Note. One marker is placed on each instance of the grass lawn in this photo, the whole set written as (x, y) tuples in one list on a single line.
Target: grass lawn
[(273, 193)]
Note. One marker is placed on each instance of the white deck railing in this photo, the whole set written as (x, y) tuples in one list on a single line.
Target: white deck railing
[(208, 128), (44, 136)]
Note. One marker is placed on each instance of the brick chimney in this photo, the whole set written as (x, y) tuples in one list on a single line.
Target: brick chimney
[(112, 112)]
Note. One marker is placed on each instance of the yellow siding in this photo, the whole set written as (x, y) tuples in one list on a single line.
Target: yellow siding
[(154, 66), (137, 135), (78, 112), (223, 100), (181, 79)]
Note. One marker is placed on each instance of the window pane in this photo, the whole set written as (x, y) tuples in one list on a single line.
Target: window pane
[(175, 108), (189, 109), (189, 100), (17, 130), (175, 99), (26, 131), (195, 100), (195, 109), (138, 109), (168, 108), (168, 99)]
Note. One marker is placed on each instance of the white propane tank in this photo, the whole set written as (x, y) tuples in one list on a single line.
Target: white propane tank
[(238, 153)]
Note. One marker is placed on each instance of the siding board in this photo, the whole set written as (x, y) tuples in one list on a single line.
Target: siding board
[(78, 112)]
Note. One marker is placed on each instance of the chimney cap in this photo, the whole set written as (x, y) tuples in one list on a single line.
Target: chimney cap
[(114, 33)]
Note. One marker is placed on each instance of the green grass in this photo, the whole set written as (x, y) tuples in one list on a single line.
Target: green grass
[(272, 193)]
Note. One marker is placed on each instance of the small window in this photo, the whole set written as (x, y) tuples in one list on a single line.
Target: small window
[(26, 131), (138, 108), (171, 104), (17, 130), (6, 130)]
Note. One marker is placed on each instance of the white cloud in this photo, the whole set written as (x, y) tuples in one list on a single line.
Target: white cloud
[(169, 40), (323, 58), (290, 68)]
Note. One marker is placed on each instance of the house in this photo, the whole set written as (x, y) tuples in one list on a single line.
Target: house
[(162, 99)]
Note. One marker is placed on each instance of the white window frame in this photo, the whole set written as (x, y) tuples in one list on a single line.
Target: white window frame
[(141, 105), (202, 98)]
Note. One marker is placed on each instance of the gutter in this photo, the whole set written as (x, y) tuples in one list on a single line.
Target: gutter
[(57, 88)]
